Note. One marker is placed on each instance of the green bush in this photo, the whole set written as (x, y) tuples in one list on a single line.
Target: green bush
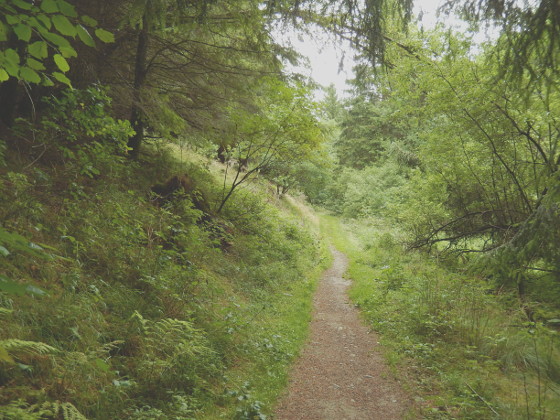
[(77, 130)]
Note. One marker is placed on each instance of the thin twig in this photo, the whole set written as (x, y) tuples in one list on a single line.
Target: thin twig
[(482, 399)]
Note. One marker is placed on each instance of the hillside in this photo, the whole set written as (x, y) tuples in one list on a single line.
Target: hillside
[(117, 303)]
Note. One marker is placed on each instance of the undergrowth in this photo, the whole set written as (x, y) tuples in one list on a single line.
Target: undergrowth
[(113, 306), (465, 349)]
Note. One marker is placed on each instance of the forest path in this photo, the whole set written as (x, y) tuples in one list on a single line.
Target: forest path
[(340, 374)]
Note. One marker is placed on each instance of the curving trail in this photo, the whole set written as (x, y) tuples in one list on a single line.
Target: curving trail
[(340, 375)]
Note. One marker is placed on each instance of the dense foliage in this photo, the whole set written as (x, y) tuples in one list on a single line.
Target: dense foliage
[(443, 154), (140, 279), (127, 306), (150, 287)]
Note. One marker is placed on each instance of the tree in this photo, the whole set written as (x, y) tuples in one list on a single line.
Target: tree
[(147, 16), (280, 132), (176, 66), (528, 52)]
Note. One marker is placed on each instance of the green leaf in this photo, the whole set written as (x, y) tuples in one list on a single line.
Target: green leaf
[(3, 32), (46, 81), (22, 31), (102, 365), (13, 288), (10, 287), (33, 22), (3, 75), (11, 62), (45, 20), (12, 69), (22, 4), (35, 65), (61, 63), (85, 37), (68, 52), (104, 35), (62, 78), (25, 368), (33, 245), (13, 19), (3, 250), (89, 21), (64, 26), (34, 290), (38, 49), (19, 243), (5, 356), (29, 75), (49, 6), (66, 8), (5, 311), (57, 40), (12, 56)]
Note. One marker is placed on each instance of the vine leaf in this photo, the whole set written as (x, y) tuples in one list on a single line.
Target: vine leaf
[(104, 35), (61, 63), (64, 26)]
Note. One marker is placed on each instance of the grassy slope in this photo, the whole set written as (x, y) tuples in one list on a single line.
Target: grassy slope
[(461, 351), (149, 313)]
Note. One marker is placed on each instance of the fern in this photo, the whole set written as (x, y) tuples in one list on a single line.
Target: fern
[(55, 410), (17, 348), (5, 312), (176, 352), (66, 410)]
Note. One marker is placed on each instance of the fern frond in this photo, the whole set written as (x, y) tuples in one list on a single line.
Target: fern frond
[(17, 347), (5, 312), (21, 410), (139, 320), (174, 326), (108, 347), (57, 409)]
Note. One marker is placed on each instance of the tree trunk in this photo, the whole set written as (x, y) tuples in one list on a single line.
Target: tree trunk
[(140, 70)]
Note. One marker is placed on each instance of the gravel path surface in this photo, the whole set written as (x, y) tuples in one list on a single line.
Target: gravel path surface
[(340, 374)]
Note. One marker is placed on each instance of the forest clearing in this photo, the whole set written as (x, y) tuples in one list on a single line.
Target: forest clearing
[(192, 229)]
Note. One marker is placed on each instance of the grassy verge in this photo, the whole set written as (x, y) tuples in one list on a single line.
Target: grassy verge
[(465, 350), (276, 328)]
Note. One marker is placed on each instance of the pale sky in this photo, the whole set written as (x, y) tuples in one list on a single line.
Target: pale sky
[(325, 54)]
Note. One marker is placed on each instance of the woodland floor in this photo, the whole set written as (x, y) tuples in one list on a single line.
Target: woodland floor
[(340, 373)]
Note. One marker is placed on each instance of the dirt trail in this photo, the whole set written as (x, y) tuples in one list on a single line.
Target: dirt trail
[(340, 374)]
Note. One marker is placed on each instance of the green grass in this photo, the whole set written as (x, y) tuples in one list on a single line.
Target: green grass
[(150, 313), (464, 350)]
